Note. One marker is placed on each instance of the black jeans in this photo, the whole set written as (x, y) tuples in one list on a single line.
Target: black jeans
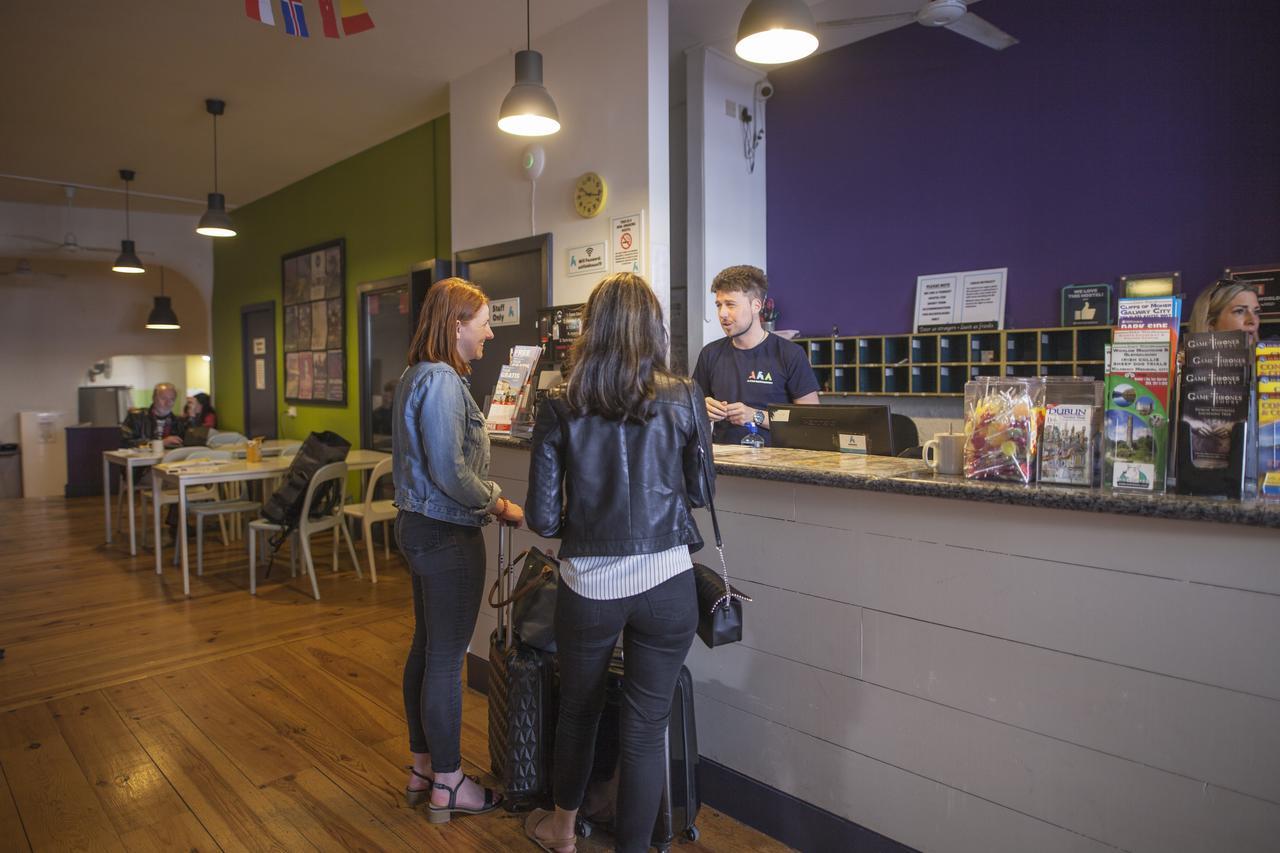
[(447, 564), (657, 629)]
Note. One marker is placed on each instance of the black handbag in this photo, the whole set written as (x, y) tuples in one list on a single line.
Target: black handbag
[(719, 603), (533, 603)]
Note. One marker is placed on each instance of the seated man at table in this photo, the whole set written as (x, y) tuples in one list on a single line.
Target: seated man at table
[(141, 426), (749, 368)]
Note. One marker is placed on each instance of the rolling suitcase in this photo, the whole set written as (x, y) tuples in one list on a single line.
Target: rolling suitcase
[(522, 705), (680, 802)]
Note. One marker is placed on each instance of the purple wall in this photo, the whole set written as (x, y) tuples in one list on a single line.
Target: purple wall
[(1118, 137)]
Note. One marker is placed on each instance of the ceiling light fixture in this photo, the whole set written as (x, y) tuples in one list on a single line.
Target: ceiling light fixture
[(528, 109), (128, 259), (216, 222), (162, 316), (771, 32)]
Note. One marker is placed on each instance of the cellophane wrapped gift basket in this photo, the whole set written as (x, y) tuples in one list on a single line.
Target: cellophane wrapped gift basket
[(1002, 421)]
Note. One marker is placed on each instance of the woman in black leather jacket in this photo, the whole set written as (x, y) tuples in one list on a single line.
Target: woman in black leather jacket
[(614, 474)]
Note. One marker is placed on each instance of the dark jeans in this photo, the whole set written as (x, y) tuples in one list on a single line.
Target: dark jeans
[(447, 563), (657, 629)]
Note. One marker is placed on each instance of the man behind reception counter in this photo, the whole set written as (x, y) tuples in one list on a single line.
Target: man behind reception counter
[(750, 368)]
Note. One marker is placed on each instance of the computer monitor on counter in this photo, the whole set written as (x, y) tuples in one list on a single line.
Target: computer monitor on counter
[(851, 429)]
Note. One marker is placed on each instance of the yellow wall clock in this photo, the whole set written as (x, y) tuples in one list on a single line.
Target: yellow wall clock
[(589, 194)]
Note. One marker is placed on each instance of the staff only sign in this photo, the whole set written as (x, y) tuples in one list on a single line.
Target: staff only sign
[(627, 243)]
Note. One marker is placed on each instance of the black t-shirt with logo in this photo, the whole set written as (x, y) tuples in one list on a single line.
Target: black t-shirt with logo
[(774, 371)]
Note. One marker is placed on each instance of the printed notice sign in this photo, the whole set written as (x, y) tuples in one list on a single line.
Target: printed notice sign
[(587, 260), (505, 312), (853, 443), (259, 346), (627, 242), (259, 374), (961, 301)]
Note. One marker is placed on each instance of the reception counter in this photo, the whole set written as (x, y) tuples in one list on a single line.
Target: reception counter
[(964, 666)]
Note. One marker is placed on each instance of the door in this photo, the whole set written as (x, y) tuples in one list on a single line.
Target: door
[(386, 329), (520, 271), (258, 355)]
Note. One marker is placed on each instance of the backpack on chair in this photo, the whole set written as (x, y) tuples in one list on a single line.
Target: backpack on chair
[(285, 504)]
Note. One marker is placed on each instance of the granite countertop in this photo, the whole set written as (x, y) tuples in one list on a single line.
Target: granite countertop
[(913, 477)]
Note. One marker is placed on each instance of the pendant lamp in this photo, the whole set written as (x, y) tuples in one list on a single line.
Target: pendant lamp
[(771, 32), (128, 259), (162, 316), (216, 222), (528, 109)]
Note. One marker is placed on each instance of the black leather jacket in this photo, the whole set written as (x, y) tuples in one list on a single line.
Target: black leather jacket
[(608, 488)]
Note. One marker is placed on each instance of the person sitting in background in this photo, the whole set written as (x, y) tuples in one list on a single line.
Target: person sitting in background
[(142, 426), (200, 412), (1228, 306), (380, 417)]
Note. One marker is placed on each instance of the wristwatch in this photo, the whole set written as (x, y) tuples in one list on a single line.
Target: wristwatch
[(758, 418)]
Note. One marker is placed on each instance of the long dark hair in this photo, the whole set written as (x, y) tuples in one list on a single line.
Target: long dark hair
[(206, 404), (623, 347)]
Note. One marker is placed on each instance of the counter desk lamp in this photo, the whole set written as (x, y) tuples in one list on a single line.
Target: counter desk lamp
[(128, 258), (216, 222), (528, 109), (162, 316)]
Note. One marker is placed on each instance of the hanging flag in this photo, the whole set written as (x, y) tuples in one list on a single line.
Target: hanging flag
[(354, 17), (260, 11), (295, 20), (328, 19)]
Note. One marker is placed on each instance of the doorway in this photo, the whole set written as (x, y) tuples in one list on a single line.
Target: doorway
[(258, 357), (519, 273)]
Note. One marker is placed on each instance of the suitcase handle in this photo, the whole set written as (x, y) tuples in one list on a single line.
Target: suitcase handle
[(505, 579)]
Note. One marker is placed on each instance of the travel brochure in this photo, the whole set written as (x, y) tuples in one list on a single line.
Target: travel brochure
[(1268, 371), (511, 409), (1213, 422), (1139, 377)]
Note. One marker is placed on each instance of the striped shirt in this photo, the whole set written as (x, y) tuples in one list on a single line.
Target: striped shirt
[(620, 577)]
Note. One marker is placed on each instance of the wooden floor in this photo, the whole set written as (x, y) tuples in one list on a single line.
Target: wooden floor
[(132, 718)]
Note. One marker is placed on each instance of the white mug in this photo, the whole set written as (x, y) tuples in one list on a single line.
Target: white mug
[(945, 453), (157, 445)]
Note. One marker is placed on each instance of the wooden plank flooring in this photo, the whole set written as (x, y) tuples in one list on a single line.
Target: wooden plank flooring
[(133, 718)]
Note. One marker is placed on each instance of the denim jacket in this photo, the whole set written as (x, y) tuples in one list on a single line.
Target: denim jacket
[(441, 448)]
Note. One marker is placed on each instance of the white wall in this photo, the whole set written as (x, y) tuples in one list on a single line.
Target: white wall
[(726, 203), (162, 238), (607, 71), (53, 329)]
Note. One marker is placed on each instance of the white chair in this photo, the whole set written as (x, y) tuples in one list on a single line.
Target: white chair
[(235, 506), (308, 526), (167, 496), (220, 439), (371, 512)]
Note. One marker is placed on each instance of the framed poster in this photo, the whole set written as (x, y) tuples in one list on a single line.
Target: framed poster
[(313, 282), (1266, 280)]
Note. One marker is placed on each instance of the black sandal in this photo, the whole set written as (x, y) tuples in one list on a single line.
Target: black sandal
[(415, 797), (441, 814)]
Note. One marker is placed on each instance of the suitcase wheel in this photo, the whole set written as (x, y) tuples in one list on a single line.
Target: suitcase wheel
[(584, 828), (691, 833)]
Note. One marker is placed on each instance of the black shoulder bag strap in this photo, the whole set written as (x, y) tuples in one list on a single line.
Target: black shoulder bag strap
[(729, 592)]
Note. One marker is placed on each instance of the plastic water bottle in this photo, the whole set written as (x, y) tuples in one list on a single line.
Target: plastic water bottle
[(753, 438)]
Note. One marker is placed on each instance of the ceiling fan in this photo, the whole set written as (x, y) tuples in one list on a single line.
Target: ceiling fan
[(23, 270), (953, 15), (771, 32), (69, 245)]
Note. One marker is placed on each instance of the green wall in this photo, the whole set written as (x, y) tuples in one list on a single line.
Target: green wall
[(390, 203)]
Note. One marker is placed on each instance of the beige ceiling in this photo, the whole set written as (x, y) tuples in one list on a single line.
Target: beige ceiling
[(90, 86)]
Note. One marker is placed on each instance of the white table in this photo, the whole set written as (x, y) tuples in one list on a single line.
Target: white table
[(202, 473), (143, 457), (128, 460)]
